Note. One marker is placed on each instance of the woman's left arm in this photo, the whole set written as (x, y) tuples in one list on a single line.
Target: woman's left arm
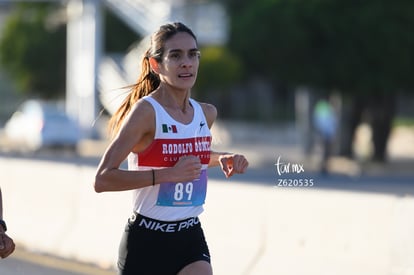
[(230, 163)]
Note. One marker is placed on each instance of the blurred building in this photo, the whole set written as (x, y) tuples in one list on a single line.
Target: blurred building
[(91, 72)]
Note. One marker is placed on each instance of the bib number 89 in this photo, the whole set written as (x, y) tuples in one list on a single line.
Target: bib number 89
[(182, 190)]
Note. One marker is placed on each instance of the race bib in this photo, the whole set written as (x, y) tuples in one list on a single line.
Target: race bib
[(183, 193)]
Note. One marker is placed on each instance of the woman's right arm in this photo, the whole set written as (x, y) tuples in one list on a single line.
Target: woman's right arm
[(136, 129)]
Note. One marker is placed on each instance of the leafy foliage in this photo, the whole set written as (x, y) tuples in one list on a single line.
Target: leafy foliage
[(364, 49), (219, 68), (359, 46), (33, 54), (118, 37)]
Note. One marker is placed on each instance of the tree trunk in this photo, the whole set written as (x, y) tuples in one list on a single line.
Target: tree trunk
[(382, 110), (351, 118)]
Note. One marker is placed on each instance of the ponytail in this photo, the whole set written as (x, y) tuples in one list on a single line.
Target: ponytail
[(147, 82)]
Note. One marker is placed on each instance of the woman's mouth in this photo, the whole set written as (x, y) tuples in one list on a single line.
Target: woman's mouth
[(186, 75)]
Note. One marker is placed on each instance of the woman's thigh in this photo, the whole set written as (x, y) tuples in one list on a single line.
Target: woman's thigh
[(197, 268)]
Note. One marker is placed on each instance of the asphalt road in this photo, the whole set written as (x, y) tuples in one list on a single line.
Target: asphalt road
[(267, 174), (23, 262), (354, 218)]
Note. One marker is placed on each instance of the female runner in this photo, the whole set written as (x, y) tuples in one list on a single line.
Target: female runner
[(165, 135)]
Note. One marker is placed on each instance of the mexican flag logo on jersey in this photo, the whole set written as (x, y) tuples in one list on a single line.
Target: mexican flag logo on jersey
[(169, 128)]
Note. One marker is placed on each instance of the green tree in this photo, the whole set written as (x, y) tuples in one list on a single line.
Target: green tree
[(34, 53), (362, 48), (117, 36), (219, 69)]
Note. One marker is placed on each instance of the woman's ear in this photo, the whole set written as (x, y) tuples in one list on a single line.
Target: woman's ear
[(154, 65)]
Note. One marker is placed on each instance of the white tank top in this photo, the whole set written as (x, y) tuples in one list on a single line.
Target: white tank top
[(173, 201)]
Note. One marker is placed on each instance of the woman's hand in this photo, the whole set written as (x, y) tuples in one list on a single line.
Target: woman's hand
[(187, 168), (233, 164), (6, 245)]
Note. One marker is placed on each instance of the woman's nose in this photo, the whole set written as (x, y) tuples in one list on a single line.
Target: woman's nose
[(187, 61)]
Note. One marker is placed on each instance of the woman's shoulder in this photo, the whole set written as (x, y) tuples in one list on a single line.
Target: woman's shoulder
[(143, 105), (142, 110), (208, 107), (210, 111)]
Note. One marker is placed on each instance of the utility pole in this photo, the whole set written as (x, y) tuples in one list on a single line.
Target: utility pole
[(84, 49)]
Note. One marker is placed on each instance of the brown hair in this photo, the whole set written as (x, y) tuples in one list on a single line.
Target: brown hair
[(148, 81)]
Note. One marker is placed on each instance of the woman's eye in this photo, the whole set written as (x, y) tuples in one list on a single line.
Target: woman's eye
[(175, 56), (194, 55)]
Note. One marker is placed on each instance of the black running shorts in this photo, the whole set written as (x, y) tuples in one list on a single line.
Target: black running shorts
[(153, 247)]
